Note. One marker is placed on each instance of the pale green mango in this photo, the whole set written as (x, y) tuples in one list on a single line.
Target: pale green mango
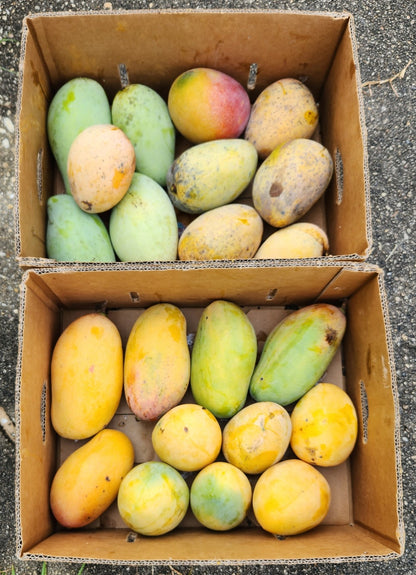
[(78, 104), (143, 225), (144, 117), (211, 174), (73, 235)]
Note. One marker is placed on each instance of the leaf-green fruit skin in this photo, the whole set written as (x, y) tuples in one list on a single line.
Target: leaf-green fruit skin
[(78, 104), (72, 235), (297, 352), (143, 116), (143, 225), (211, 174), (223, 358)]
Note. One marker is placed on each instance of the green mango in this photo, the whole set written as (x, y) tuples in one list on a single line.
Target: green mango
[(73, 235), (211, 174), (297, 353), (78, 104), (223, 358), (143, 225), (144, 117)]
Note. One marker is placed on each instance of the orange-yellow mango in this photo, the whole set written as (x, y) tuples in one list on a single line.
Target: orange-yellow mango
[(86, 376), (324, 425), (157, 361), (88, 481), (291, 497), (298, 240), (188, 437)]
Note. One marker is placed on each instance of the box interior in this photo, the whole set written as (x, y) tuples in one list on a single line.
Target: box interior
[(365, 520), (317, 48)]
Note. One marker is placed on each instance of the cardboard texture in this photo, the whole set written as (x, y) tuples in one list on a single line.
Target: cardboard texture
[(365, 519), (317, 48)]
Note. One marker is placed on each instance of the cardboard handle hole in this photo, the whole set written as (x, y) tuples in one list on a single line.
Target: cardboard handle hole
[(271, 295), (134, 296), (252, 76), (339, 176), (43, 411), (124, 75), (39, 175), (364, 412)]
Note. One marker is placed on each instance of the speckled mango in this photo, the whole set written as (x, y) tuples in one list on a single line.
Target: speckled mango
[(257, 436), (89, 479), (291, 497), (86, 376), (79, 103), (220, 496), (153, 498), (324, 425), (297, 352), (72, 235), (157, 361), (143, 116), (291, 180), (283, 111), (206, 104), (223, 358), (188, 437), (298, 240), (230, 232), (211, 174)]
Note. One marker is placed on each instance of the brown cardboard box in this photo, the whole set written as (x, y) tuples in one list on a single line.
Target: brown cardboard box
[(365, 519), (155, 47)]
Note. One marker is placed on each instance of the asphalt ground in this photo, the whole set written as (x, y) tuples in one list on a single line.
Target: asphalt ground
[(385, 32)]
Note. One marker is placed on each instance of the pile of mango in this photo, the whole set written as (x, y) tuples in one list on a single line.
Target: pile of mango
[(257, 429), (148, 179)]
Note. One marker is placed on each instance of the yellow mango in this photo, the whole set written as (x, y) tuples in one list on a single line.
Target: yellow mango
[(88, 481), (324, 425), (298, 240), (86, 376), (157, 361), (291, 497), (188, 437), (230, 232), (257, 436)]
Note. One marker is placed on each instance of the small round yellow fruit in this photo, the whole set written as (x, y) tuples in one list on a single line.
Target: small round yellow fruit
[(324, 426), (291, 497)]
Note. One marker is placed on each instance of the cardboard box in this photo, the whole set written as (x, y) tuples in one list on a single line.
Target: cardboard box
[(153, 48), (365, 519)]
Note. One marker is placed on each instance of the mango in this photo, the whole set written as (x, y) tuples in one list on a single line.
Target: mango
[(143, 225), (88, 481), (223, 358), (233, 231), (153, 498), (207, 104), (257, 436), (324, 425), (157, 361), (220, 496), (291, 180), (101, 164), (72, 235), (211, 174), (291, 497), (86, 376), (283, 111), (298, 240), (297, 352), (188, 437), (143, 116), (79, 103)]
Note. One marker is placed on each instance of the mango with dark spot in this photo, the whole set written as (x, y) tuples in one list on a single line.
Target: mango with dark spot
[(157, 361), (291, 180), (297, 352), (230, 232), (88, 481), (86, 376), (223, 358)]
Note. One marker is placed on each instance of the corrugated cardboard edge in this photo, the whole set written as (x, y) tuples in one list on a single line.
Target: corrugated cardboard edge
[(358, 267), (29, 262)]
